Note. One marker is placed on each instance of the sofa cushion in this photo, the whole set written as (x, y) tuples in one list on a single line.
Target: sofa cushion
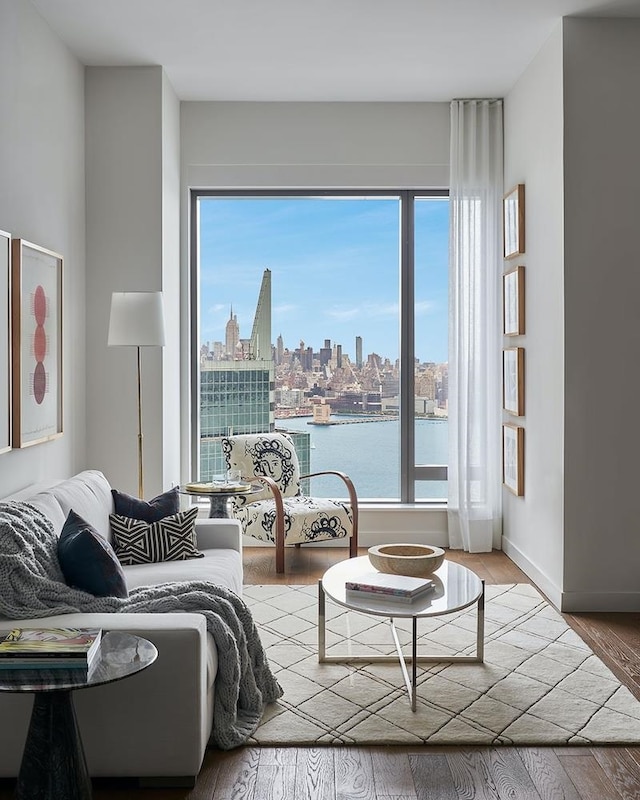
[(88, 493), (170, 539), (88, 561), (164, 505), (222, 567), (48, 504)]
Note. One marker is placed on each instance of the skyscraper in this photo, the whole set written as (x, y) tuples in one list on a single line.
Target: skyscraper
[(279, 350), (238, 396), (359, 352), (232, 336)]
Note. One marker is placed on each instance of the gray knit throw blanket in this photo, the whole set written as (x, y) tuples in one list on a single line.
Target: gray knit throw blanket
[(32, 585)]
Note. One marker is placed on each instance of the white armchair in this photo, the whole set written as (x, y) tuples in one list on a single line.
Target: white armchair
[(281, 514)]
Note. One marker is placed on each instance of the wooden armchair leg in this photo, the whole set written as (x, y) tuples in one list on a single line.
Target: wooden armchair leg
[(353, 543), (279, 544)]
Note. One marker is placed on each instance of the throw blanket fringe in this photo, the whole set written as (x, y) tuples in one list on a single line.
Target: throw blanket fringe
[(32, 585)]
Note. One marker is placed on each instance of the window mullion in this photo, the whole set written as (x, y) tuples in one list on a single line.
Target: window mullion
[(407, 350)]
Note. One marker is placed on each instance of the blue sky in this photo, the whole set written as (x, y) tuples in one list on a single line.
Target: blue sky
[(334, 265)]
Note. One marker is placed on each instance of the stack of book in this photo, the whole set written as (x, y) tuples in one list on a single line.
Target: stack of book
[(383, 586), (49, 648)]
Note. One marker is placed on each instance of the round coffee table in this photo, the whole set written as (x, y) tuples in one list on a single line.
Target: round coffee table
[(457, 588), (53, 764)]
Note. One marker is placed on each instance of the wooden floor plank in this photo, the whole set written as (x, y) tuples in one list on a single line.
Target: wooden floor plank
[(354, 774), (391, 772), (275, 782), (622, 770), (589, 778), (510, 774), (432, 777), (547, 774), (315, 774), (237, 772), (471, 776)]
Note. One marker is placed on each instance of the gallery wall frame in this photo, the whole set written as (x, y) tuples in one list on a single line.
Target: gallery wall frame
[(513, 305), (513, 221), (5, 342), (513, 458), (513, 380), (36, 309)]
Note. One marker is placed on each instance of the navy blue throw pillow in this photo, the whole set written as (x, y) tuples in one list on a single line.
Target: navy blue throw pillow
[(164, 505), (88, 561)]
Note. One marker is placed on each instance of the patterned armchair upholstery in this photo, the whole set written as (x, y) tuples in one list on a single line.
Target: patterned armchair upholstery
[(281, 513)]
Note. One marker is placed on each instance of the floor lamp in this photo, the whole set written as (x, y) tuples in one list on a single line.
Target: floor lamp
[(137, 320)]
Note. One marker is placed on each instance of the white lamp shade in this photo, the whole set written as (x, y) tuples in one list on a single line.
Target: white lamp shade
[(137, 319)]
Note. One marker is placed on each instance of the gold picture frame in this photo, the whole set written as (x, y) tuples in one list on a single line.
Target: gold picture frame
[(513, 319), (36, 337), (513, 221), (5, 342), (513, 380), (513, 458)]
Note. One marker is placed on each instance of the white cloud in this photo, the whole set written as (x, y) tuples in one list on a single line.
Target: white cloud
[(424, 307)]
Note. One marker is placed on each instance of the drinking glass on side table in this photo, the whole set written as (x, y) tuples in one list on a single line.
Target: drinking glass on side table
[(457, 588)]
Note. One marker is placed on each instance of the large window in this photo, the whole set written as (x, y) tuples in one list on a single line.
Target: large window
[(325, 314)]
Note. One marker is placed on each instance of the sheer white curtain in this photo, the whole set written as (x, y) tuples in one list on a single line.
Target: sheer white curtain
[(476, 189)]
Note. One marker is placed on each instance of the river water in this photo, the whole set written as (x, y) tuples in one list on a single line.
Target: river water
[(369, 453)]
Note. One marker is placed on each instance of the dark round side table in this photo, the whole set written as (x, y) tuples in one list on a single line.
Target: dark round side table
[(53, 763), (218, 499)]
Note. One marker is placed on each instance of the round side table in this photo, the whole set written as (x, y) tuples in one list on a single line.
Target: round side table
[(218, 499), (53, 764)]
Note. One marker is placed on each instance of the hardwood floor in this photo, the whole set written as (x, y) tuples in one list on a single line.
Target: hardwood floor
[(418, 773)]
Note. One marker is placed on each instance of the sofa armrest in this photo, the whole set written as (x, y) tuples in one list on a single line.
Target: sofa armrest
[(219, 533)]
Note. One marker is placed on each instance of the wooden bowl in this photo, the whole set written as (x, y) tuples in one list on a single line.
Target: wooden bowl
[(417, 560)]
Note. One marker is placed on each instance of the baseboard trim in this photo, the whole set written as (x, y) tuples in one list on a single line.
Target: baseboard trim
[(546, 586), (623, 602), (571, 602)]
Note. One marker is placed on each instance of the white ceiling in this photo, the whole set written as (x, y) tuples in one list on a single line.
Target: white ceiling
[(367, 50)]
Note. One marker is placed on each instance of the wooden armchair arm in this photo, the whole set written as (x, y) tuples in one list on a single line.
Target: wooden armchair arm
[(353, 500)]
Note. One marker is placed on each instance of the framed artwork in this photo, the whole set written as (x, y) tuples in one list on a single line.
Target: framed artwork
[(36, 308), (513, 458), (513, 221), (513, 302), (513, 380), (5, 342)]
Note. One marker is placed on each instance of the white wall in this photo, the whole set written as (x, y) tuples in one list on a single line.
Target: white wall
[(533, 121), (311, 146), (132, 245), (572, 129), (602, 287), (42, 201), (171, 269)]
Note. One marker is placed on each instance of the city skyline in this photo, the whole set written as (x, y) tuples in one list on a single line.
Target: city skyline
[(322, 256)]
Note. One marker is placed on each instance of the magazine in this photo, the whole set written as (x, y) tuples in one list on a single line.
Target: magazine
[(43, 645)]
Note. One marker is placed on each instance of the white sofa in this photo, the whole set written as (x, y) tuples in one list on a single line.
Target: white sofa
[(154, 725)]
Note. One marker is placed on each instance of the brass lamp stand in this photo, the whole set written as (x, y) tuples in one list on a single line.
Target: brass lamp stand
[(137, 320)]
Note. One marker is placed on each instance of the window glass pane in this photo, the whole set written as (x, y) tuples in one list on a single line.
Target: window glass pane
[(318, 280), (431, 265)]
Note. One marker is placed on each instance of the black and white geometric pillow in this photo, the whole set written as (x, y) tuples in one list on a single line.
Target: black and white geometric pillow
[(170, 539)]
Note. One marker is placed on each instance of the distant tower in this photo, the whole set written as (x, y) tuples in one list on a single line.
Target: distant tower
[(261, 333), (359, 352), (339, 356), (232, 335), (279, 350)]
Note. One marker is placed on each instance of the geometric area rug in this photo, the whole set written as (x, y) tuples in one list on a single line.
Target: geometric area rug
[(540, 684)]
